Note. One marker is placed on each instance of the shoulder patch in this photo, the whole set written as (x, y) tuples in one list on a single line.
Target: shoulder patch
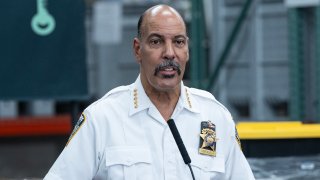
[(80, 122), (238, 137)]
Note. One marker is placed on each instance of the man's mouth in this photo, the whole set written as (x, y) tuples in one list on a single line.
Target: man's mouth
[(168, 72), (168, 69)]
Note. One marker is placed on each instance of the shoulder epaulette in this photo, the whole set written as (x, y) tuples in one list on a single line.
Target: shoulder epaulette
[(208, 95), (116, 90), (202, 93)]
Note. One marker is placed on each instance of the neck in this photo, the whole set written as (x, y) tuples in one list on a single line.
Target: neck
[(164, 97), (165, 101)]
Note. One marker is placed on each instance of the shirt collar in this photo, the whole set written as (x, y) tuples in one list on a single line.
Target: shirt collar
[(187, 99), (140, 101)]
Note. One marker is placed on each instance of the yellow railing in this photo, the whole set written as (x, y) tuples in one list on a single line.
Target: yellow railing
[(277, 130)]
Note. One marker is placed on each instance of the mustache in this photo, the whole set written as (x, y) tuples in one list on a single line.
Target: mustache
[(167, 64)]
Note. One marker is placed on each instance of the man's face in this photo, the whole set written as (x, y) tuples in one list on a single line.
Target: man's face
[(162, 51)]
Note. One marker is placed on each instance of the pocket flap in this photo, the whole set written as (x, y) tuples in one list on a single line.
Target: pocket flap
[(207, 163), (127, 155)]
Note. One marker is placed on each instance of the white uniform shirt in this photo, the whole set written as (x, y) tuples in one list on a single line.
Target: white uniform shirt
[(123, 136)]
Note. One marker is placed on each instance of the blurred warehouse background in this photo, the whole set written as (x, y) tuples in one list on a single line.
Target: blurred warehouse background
[(260, 58), (264, 76)]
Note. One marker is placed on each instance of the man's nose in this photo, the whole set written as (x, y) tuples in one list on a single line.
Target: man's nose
[(169, 51)]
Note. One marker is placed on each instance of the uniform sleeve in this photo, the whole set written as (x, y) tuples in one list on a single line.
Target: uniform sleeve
[(237, 167), (79, 159)]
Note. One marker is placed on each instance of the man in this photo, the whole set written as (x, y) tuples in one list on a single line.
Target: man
[(125, 136)]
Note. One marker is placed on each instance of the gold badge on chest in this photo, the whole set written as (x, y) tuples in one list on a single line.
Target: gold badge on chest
[(208, 139)]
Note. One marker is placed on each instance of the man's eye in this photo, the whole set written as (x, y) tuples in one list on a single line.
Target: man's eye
[(180, 42), (155, 41)]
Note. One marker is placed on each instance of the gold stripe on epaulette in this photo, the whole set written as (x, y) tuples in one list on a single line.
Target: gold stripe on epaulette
[(135, 98), (188, 98)]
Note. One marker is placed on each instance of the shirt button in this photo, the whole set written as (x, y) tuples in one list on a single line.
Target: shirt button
[(128, 160)]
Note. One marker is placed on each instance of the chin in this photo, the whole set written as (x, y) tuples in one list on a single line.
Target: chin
[(168, 84)]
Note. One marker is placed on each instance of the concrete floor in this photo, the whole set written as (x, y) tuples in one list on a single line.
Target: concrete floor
[(31, 159), (286, 168), (28, 158)]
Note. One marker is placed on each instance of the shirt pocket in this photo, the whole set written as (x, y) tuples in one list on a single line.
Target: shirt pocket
[(207, 167), (128, 163)]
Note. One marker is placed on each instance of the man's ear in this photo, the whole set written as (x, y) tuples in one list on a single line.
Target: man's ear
[(137, 49)]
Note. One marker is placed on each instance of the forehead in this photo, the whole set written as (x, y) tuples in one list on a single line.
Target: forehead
[(165, 22)]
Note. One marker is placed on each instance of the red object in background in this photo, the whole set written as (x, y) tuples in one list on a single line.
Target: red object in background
[(35, 126)]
